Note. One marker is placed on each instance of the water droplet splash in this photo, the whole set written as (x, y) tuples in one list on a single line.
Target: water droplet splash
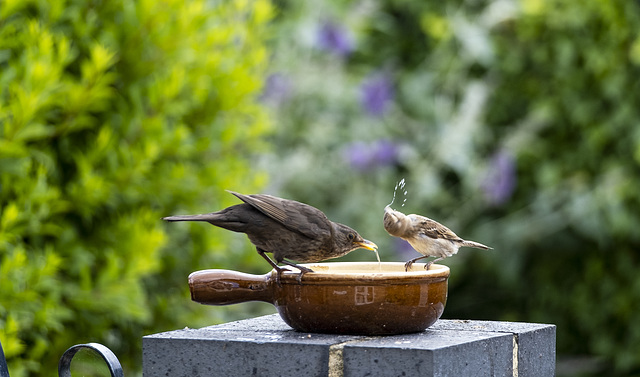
[(399, 185)]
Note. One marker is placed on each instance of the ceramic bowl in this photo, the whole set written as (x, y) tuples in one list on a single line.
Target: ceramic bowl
[(360, 298)]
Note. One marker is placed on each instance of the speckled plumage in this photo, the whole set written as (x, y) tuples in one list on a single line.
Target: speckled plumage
[(426, 236)]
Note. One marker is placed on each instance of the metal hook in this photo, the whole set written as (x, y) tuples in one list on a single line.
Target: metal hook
[(109, 357)]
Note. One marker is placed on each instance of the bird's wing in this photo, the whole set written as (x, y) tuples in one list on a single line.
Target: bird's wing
[(299, 217), (436, 230)]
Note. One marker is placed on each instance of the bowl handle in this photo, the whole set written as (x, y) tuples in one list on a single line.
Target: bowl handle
[(226, 287)]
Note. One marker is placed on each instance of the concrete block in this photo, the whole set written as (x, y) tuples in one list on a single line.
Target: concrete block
[(266, 346), (534, 344), (431, 353)]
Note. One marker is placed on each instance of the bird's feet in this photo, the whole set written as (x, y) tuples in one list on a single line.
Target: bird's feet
[(279, 271), (426, 267), (303, 270), (407, 266)]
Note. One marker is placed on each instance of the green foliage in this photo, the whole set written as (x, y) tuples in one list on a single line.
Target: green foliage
[(486, 94), (112, 115)]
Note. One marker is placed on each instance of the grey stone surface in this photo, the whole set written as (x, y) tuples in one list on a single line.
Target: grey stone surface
[(266, 346), (537, 352), (534, 343), (431, 353)]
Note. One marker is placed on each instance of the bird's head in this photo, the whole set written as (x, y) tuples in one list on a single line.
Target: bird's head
[(347, 240), (394, 222)]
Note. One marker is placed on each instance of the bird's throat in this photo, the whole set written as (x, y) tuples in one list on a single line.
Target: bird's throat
[(395, 223)]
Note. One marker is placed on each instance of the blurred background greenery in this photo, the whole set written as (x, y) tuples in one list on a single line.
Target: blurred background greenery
[(514, 122)]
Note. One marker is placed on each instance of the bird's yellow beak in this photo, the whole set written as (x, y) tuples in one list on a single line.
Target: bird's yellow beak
[(368, 245)]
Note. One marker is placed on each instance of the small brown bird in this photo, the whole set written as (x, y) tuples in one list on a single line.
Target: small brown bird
[(288, 229), (426, 236)]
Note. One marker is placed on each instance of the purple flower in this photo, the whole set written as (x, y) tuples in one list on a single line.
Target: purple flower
[(358, 155), (385, 152), (376, 94), (335, 39), (500, 179), (277, 89), (367, 156)]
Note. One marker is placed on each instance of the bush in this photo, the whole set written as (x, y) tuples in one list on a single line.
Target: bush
[(513, 122), (112, 115)]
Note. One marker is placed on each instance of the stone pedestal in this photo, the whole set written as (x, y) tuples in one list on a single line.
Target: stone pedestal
[(266, 346)]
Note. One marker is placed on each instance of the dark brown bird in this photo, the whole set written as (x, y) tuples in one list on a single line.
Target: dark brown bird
[(288, 229), (426, 236)]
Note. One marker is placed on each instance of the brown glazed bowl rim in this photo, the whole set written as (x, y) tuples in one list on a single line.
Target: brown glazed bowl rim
[(358, 272), (339, 297)]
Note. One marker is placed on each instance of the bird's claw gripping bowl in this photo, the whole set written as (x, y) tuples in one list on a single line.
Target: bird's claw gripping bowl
[(359, 298)]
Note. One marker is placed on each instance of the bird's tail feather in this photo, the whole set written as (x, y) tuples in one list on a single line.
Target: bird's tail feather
[(226, 219), (204, 217), (477, 245)]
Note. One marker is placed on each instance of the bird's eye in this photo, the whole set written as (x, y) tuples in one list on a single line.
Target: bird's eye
[(351, 236)]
